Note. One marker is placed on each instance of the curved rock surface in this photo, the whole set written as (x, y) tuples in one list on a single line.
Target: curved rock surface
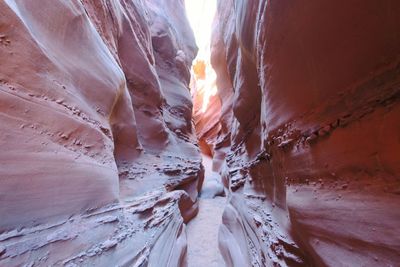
[(308, 144), (100, 165)]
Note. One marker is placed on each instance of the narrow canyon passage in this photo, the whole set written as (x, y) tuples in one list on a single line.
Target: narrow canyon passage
[(202, 231), (199, 133), (202, 234)]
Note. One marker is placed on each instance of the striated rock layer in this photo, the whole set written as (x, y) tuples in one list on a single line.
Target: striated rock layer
[(99, 163), (308, 144)]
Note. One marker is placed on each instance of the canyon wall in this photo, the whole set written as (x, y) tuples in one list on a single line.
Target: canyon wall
[(308, 140), (99, 162)]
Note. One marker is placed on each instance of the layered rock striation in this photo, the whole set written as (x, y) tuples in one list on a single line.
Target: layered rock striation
[(99, 162), (308, 144)]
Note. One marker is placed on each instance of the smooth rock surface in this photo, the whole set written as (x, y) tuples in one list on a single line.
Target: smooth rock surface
[(99, 162), (308, 137), (101, 142)]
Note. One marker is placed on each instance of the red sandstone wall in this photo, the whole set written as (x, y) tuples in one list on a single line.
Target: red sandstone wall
[(206, 105), (99, 163), (312, 161)]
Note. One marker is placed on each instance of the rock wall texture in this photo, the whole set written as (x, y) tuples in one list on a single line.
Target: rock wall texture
[(206, 105), (99, 164), (309, 139)]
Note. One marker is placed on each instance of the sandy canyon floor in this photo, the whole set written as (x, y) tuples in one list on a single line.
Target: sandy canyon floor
[(202, 231)]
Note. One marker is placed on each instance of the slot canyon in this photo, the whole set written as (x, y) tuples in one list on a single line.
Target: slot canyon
[(199, 133)]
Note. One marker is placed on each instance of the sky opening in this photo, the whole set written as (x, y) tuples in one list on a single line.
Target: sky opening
[(201, 15)]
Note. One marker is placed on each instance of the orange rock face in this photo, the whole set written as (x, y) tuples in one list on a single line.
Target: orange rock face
[(99, 162), (206, 105), (309, 139)]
